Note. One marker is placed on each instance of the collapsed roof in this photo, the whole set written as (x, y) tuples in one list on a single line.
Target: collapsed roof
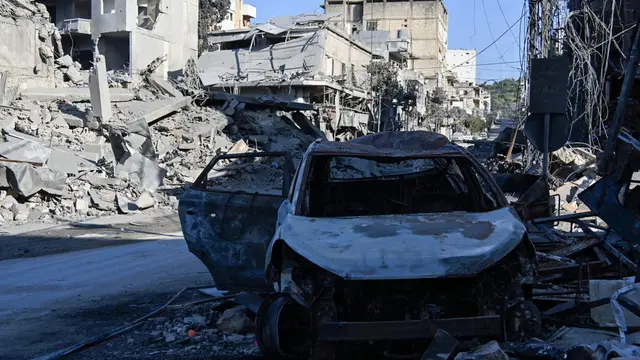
[(285, 49)]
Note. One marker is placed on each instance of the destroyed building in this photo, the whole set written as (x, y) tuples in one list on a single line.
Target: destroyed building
[(300, 59), (130, 34)]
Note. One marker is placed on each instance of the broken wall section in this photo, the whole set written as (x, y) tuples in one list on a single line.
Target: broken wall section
[(28, 46)]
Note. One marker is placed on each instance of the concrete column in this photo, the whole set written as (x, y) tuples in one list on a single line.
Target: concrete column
[(99, 90)]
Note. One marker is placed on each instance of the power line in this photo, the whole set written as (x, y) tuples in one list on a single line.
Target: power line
[(486, 17), (490, 45)]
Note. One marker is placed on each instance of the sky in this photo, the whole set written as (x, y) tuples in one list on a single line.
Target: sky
[(473, 24)]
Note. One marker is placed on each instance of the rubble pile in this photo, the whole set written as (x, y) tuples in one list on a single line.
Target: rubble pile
[(59, 163)]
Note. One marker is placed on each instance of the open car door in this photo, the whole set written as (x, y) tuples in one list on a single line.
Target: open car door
[(228, 215)]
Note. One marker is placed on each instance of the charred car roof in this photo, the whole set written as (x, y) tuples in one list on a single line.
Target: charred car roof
[(391, 144)]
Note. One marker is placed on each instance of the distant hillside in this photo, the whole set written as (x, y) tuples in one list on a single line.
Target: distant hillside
[(505, 95)]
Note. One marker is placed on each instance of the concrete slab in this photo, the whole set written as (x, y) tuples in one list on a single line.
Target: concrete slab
[(161, 108), (164, 86), (75, 94)]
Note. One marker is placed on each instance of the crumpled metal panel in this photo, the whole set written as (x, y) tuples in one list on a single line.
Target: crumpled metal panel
[(393, 247), (28, 179), (391, 144)]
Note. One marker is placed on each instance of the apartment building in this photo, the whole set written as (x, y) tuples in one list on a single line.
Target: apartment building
[(462, 62), (425, 21), (130, 34), (240, 16)]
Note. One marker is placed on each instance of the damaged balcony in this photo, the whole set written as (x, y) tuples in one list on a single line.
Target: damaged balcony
[(75, 26)]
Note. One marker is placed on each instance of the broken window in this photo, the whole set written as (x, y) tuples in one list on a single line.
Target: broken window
[(108, 6), (372, 25), (343, 69), (148, 12), (355, 186)]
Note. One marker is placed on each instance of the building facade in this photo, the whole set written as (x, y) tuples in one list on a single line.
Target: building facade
[(240, 16), (130, 34), (425, 23), (462, 62)]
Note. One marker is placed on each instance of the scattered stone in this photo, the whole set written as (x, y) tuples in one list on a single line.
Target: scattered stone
[(82, 206), (65, 61), (20, 212), (235, 320), (239, 147), (73, 121), (8, 202), (169, 337), (145, 201)]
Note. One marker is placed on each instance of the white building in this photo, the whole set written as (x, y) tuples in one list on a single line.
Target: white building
[(131, 34), (462, 62)]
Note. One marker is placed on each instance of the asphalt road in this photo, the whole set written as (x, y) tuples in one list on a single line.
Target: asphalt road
[(54, 301)]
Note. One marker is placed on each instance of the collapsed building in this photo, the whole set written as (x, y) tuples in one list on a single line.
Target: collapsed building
[(307, 59)]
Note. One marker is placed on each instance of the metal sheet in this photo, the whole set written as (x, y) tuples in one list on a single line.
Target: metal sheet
[(392, 247)]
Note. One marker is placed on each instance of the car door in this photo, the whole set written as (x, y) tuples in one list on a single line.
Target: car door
[(229, 215)]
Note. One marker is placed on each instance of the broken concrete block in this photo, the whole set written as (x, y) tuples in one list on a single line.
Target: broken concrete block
[(145, 201), (187, 146), (99, 90), (35, 116), (164, 86), (230, 107), (46, 52), (8, 202), (63, 161), (162, 108), (65, 61), (124, 205), (239, 147), (74, 75), (82, 206), (73, 121), (6, 214), (100, 204), (25, 150), (235, 321), (20, 212), (93, 152)]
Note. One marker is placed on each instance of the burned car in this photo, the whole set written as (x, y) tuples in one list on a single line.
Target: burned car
[(376, 243)]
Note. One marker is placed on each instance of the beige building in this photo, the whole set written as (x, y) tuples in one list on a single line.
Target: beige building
[(423, 22), (240, 16)]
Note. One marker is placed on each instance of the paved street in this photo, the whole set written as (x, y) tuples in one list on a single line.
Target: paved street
[(50, 302)]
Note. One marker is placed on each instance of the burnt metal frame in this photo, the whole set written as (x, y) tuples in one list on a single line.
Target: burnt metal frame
[(415, 329), (288, 168)]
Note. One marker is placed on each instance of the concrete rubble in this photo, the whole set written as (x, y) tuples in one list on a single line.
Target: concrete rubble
[(61, 161)]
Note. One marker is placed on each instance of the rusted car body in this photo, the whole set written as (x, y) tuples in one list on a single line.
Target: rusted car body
[(379, 242)]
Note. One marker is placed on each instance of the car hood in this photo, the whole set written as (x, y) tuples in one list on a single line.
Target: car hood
[(416, 246)]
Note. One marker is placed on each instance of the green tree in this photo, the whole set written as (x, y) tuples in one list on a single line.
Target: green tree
[(210, 13), (505, 97)]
